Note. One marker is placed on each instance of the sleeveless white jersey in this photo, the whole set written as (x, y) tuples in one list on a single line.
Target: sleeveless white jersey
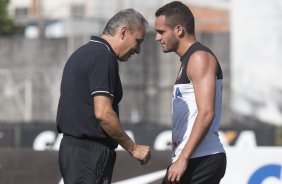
[(184, 112)]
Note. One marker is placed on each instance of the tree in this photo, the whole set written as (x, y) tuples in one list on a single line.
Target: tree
[(7, 25)]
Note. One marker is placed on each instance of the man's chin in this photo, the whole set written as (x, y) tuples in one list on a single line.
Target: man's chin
[(166, 51)]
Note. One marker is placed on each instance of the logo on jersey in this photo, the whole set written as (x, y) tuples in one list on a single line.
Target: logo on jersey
[(180, 72), (177, 93)]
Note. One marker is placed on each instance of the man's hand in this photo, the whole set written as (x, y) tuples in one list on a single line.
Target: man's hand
[(110, 123), (176, 170), (141, 153)]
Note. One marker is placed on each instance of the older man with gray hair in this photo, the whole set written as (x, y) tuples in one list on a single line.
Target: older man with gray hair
[(88, 107)]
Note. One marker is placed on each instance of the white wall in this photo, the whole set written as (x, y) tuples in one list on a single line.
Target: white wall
[(256, 64), (260, 165)]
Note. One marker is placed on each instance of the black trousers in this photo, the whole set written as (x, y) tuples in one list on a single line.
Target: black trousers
[(85, 162), (203, 170)]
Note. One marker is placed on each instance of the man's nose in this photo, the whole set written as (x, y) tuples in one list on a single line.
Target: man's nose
[(158, 37)]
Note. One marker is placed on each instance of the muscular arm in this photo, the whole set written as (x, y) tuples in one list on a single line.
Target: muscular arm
[(201, 71), (109, 121)]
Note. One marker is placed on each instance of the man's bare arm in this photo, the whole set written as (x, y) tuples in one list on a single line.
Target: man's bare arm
[(201, 71), (109, 121)]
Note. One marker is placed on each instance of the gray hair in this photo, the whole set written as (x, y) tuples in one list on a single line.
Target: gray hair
[(128, 17)]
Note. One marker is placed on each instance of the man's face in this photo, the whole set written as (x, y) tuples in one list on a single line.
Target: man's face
[(165, 35), (132, 44)]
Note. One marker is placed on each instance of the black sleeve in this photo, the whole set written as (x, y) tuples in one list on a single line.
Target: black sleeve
[(102, 74)]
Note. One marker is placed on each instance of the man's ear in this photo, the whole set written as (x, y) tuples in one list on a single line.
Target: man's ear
[(123, 32), (179, 30)]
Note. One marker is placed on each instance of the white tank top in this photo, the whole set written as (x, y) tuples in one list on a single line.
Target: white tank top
[(184, 111)]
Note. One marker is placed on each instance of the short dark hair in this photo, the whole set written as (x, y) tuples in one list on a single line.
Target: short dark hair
[(177, 13), (128, 17)]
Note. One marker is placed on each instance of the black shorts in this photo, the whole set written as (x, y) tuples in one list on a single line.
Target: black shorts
[(203, 170), (84, 161)]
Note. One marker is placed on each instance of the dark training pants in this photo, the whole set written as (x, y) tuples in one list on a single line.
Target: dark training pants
[(203, 170), (85, 162)]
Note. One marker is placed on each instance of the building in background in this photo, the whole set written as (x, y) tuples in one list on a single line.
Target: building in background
[(148, 77), (41, 13)]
